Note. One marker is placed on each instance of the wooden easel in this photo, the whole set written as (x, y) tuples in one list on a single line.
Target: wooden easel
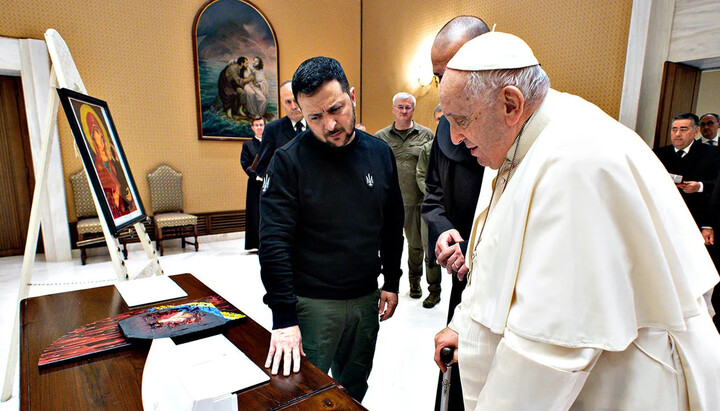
[(64, 74)]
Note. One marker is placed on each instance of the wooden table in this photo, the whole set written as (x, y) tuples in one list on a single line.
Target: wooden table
[(113, 380)]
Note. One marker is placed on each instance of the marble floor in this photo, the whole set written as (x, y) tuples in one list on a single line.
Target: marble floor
[(404, 374)]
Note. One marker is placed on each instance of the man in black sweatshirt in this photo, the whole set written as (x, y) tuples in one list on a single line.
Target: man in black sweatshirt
[(331, 223)]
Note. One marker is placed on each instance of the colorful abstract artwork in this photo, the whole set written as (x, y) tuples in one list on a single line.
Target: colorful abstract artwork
[(104, 335), (172, 321)]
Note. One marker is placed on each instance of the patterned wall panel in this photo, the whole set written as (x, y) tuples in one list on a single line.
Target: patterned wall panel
[(137, 55), (582, 46)]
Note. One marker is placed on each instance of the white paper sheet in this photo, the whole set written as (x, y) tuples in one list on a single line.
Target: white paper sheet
[(149, 290), (198, 375)]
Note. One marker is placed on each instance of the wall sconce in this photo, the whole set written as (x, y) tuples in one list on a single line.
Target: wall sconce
[(426, 77)]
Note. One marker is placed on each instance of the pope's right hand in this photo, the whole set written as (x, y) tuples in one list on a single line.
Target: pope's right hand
[(285, 346), (449, 254), (446, 338)]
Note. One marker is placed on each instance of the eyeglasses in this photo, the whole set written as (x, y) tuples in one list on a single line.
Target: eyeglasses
[(404, 107)]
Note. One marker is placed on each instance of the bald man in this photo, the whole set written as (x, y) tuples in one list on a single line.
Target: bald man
[(452, 181)]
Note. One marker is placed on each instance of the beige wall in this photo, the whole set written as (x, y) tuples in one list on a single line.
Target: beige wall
[(138, 56), (581, 46), (709, 95)]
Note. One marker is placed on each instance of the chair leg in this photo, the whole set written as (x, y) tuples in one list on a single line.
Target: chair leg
[(158, 239), (182, 240), (196, 241), (125, 254), (83, 254)]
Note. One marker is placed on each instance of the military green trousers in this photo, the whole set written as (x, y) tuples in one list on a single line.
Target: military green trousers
[(340, 335), (416, 236)]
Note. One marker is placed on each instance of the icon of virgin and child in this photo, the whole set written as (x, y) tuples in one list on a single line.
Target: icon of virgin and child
[(106, 161), (243, 89)]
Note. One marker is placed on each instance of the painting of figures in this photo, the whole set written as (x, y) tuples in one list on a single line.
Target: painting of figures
[(236, 69)]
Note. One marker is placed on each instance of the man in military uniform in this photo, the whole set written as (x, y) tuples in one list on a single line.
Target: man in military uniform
[(406, 139)]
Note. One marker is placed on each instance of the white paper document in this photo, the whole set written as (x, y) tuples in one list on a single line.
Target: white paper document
[(199, 375), (149, 290)]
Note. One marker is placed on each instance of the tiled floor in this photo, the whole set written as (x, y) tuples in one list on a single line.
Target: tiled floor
[(404, 375)]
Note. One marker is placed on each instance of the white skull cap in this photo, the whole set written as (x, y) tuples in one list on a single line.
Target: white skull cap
[(493, 51)]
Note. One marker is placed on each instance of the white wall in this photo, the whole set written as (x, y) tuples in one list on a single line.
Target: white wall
[(709, 95)]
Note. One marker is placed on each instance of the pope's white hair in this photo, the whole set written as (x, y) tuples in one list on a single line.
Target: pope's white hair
[(484, 85), (403, 96)]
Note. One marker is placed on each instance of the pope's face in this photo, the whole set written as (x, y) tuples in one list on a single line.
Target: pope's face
[(403, 110), (682, 132), (289, 104), (480, 127), (709, 127), (330, 114)]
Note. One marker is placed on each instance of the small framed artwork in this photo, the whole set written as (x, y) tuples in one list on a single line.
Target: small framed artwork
[(236, 69), (104, 159)]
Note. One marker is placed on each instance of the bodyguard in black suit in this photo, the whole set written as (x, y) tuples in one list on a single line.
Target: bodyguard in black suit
[(697, 163), (281, 131)]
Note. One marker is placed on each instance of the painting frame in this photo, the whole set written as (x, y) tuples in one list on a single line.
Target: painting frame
[(230, 92), (89, 115)]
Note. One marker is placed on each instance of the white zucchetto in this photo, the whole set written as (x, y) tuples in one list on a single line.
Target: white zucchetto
[(493, 51)]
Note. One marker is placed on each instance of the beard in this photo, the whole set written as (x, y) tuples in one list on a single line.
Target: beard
[(347, 137)]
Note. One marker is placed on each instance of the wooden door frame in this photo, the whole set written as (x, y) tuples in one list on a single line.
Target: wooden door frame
[(28, 59), (680, 31)]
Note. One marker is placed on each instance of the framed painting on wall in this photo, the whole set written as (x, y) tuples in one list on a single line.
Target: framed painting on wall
[(236, 69), (104, 159)]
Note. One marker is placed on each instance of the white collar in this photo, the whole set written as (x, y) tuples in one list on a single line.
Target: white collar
[(302, 120)]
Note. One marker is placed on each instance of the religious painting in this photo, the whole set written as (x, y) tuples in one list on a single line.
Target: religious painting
[(236, 69), (104, 159)]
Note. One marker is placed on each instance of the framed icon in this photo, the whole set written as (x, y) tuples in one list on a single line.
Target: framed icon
[(104, 159)]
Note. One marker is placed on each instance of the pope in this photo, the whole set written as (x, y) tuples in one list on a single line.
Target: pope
[(587, 276)]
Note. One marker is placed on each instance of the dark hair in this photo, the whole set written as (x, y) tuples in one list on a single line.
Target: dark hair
[(260, 64), (256, 118), (241, 60), (717, 118), (314, 72), (688, 116)]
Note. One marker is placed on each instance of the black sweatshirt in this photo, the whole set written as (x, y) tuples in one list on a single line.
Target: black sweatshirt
[(331, 222)]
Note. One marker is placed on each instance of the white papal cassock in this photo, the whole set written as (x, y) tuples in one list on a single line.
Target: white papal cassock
[(586, 289)]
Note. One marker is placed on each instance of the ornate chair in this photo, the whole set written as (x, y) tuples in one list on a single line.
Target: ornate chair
[(166, 200), (88, 225)]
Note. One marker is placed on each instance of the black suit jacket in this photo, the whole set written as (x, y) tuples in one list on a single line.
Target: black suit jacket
[(701, 163), (276, 134)]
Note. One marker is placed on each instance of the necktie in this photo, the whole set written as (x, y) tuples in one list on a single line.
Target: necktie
[(680, 153), (298, 127)]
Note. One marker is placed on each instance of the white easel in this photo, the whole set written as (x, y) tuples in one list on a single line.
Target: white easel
[(64, 74)]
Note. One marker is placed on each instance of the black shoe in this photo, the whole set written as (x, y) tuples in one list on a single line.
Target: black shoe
[(431, 300), (415, 291)]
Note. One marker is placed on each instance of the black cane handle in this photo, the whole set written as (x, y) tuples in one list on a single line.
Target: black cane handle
[(446, 355)]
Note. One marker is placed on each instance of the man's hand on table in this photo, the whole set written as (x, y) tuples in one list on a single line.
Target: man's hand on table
[(285, 346)]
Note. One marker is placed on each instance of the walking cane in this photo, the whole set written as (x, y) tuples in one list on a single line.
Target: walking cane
[(446, 356)]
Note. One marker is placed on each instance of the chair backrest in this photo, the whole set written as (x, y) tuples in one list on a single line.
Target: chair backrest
[(166, 193), (84, 205)]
